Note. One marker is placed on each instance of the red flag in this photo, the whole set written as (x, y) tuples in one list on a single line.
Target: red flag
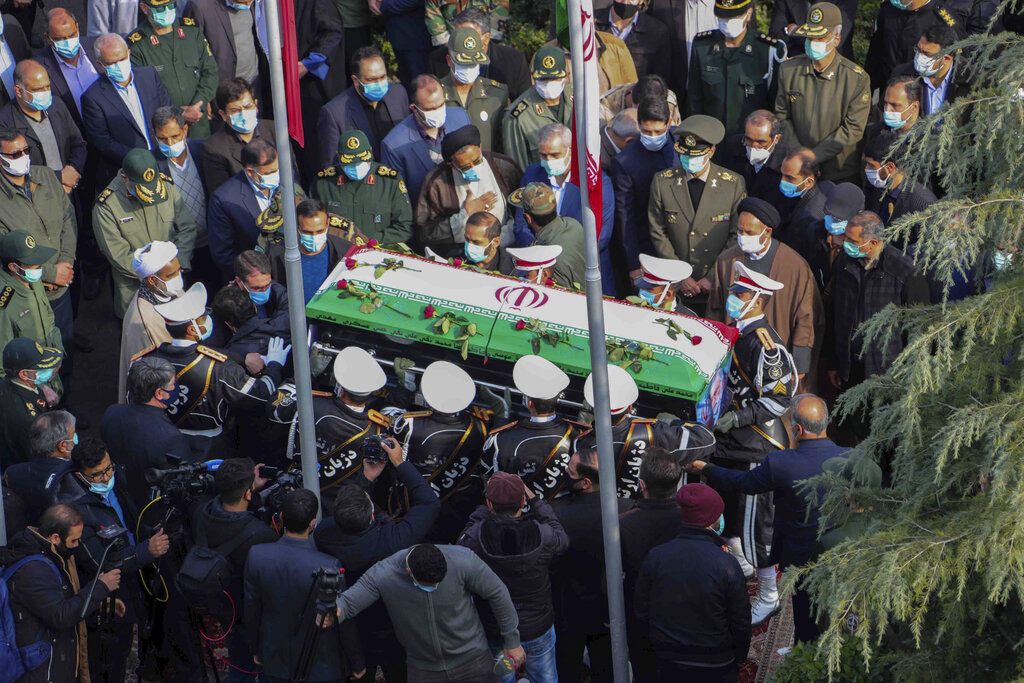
[(594, 185), (290, 57)]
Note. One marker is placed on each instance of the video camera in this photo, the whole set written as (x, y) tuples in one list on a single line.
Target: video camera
[(284, 481), (185, 482)]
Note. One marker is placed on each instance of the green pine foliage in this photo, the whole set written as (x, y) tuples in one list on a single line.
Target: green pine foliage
[(938, 584)]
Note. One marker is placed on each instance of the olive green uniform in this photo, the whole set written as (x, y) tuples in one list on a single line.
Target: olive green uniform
[(184, 62), (525, 117), (378, 204), (48, 216), (826, 112), (25, 312), (569, 270), (729, 83), (695, 235), (123, 224), (439, 15), (486, 104)]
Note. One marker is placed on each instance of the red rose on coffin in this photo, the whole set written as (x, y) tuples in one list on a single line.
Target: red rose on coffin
[(350, 263), (550, 282), (457, 262), (429, 311), (520, 325), (695, 340), (342, 284), (372, 243)]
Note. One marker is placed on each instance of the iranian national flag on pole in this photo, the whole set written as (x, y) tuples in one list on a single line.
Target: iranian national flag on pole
[(290, 60), (579, 32)]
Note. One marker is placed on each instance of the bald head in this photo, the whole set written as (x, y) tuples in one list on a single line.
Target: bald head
[(31, 72), (810, 414), (60, 24)]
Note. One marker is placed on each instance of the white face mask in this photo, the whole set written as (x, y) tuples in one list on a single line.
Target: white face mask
[(924, 65), (750, 244), (19, 167), (757, 156), (732, 28), (174, 287), (551, 89), (874, 177), (465, 74), (433, 118)]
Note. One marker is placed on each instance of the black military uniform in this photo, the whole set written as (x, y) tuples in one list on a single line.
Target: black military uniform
[(538, 451), (19, 406), (447, 451), (632, 436), (897, 32)]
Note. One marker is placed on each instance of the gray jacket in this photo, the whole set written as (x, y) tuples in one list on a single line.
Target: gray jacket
[(439, 630)]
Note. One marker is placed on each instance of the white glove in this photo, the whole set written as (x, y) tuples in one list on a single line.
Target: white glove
[(277, 352)]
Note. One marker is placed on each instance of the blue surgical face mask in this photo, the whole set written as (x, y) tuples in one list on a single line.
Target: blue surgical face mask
[(693, 164), (425, 589), (647, 295), (103, 488), (74, 439), (356, 171), (555, 167), (238, 6), (816, 49), (67, 48), (207, 332), (852, 250), (172, 151), (43, 376), (720, 527), (119, 72), (833, 226), (1001, 259), (653, 143), (313, 243), (894, 119), (475, 252), (470, 175), (260, 298), (375, 91), (734, 307), (40, 101), (789, 189), (269, 181), (244, 121), (32, 274), (165, 18)]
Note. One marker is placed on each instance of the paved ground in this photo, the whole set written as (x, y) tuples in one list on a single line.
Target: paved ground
[(94, 378)]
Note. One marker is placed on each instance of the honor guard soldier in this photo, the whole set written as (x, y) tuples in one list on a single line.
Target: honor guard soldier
[(484, 99), (732, 69), (344, 421), (548, 101), (536, 264), (692, 210), (537, 448), (139, 206), (371, 195), (762, 380), (445, 443), (28, 367), (657, 284), (632, 436), (211, 388), (178, 50), (24, 308)]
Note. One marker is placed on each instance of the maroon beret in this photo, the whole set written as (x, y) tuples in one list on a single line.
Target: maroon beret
[(700, 504), (504, 488)]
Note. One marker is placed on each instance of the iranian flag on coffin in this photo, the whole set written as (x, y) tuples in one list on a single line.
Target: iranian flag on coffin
[(690, 366)]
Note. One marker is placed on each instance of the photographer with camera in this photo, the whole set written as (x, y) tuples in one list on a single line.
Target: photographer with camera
[(279, 585), (225, 526), (46, 599), (359, 538), (98, 489)]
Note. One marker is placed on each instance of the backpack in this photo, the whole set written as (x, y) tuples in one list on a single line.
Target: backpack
[(15, 662), (206, 574)]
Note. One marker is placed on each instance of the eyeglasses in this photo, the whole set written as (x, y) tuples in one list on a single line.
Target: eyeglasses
[(16, 154), (102, 475)]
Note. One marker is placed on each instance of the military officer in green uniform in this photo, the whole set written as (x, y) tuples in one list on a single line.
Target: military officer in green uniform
[(824, 98), (548, 101), (140, 205), (732, 69), (371, 195), (484, 99), (178, 50), (692, 210), (24, 309), (540, 209)]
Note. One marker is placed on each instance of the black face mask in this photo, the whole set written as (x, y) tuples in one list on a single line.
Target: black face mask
[(624, 11), (63, 550)]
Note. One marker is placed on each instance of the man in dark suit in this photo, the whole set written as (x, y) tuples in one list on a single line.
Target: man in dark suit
[(804, 203), (278, 585), (234, 206), (115, 109), (944, 76), (757, 156), (218, 21), (645, 37), (373, 105), (222, 152), (13, 49), (53, 138), (507, 65), (67, 57)]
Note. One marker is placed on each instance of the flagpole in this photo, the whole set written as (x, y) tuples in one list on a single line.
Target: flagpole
[(582, 39), (292, 266)]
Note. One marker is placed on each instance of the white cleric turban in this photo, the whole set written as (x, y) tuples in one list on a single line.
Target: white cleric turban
[(152, 257)]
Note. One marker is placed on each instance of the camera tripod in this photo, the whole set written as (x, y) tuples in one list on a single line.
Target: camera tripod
[(320, 605)]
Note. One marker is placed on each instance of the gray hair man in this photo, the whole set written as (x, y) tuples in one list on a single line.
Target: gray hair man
[(51, 439)]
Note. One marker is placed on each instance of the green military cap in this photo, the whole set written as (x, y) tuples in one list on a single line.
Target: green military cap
[(144, 179), (549, 62), (353, 146), (697, 133), (20, 246), (822, 19), (537, 199), (466, 48), (727, 9), (160, 3), (23, 353)]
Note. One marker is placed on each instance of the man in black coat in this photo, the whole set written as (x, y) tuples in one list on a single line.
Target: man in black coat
[(890, 193), (14, 44), (75, 56), (944, 75), (898, 30), (238, 108), (757, 155), (359, 537), (580, 599), (507, 65), (804, 202), (646, 38), (22, 397), (278, 587), (787, 15), (692, 598), (51, 439), (46, 598), (215, 18)]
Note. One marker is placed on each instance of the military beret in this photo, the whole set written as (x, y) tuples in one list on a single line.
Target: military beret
[(463, 137), (844, 201), (698, 133), (761, 210)]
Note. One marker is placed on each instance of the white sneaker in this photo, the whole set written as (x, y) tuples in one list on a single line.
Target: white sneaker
[(736, 550), (766, 602)]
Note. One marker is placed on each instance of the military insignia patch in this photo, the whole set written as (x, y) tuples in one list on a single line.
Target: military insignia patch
[(30, 241), (210, 353), (378, 418), (548, 62), (775, 372), (153, 40), (401, 186), (944, 14), (765, 338), (720, 218), (469, 43), (352, 142), (387, 171), (5, 296), (539, 108), (188, 21), (103, 195), (815, 16), (149, 175), (135, 37), (690, 141)]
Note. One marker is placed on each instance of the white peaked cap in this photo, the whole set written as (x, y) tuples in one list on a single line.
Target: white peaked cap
[(358, 372), (622, 389), (539, 378), (189, 306), (446, 387)]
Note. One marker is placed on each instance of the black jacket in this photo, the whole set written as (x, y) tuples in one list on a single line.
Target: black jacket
[(692, 598), (799, 216), (520, 550), (49, 59), (37, 483), (763, 184), (508, 66), (648, 43), (647, 525), (890, 205), (897, 32), (857, 294), (45, 606), (19, 406), (337, 247), (65, 132), (580, 599), (254, 335)]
